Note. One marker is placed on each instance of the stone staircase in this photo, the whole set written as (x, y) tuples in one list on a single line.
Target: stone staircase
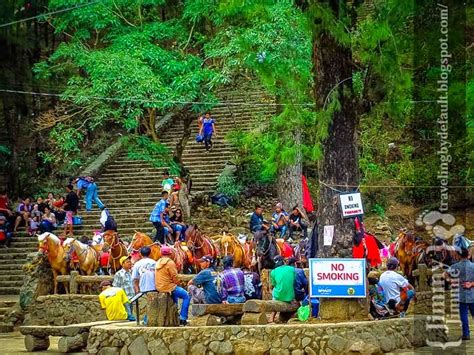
[(130, 188)]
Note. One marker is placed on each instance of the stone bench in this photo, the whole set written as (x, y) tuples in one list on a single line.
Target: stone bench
[(73, 337), (206, 314), (255, 311)]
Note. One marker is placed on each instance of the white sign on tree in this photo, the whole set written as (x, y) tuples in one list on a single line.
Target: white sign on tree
[(351, 205)]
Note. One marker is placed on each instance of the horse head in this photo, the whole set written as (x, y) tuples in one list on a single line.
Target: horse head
[(227, 241), (43, 247), (262, 241), (68, 248), (110, 240)]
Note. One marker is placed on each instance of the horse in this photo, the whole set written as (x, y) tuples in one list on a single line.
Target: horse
[(116, 248), (241, 252), (88, 257), (50, 246), (301, 251), (199, 245), (140, 240), (405, 253), (266, 248)]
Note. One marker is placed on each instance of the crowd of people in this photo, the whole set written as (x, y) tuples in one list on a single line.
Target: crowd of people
[(47, 214), (231, 285), (282, 223), (168, 214)]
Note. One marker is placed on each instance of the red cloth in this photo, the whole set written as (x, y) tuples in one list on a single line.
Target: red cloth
[(373, 254), (287, 251), (4, 203), (307, 203), (104, 259)]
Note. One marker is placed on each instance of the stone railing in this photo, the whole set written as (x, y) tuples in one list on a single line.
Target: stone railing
[(95, 168)]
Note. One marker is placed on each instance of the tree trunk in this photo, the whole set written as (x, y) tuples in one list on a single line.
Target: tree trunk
[(161, 310), (260, 306), (254, 318), (152, 123), (33, 343), (289, 185), (75, 343), (332, 65), (225, 310), (206, 320)]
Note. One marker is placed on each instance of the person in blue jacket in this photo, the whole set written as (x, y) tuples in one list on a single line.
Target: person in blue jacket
[(88, 183)]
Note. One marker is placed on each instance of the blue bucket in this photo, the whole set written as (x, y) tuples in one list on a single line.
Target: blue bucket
[(314, 307)]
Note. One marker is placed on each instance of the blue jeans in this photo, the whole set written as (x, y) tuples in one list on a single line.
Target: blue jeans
[(128, 308), (281, 229), (464, 310), (180, 292), (91, 195), (46, 226), (236, 299), (178, 228)]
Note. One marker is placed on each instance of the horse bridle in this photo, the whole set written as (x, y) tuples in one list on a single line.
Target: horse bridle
[(71, 250), (135, 250), (267, 237), (111, 247)]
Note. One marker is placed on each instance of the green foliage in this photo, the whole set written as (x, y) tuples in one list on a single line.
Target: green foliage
[(157, 154), (228, 185), (379, 210)]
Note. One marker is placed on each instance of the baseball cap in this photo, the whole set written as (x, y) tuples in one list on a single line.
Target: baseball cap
[(165, 250), (278, 260), (206, 258), (279, 205), (105, 283), (123, 259)]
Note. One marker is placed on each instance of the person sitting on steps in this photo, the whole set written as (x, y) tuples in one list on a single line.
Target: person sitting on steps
[(296, 222), (279, 221), (257, 222), (178, 226)]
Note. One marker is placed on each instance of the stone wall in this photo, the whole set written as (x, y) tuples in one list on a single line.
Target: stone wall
[(68, 309), (296, 338), (64, 310)]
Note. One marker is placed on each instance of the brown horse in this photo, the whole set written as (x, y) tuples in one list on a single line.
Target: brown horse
[(88, 256), (200, 245), (116, 248), (405, 253), (50, 246), (140, 240), (242, 253)]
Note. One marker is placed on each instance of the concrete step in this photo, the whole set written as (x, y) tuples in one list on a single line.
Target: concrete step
[(11, 267), (16, 249), (7, 304), (4, 310), (10, 277), (16, 256), (17, 283), (10, 290)]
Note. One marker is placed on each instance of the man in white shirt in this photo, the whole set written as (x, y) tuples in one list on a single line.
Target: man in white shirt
[(143, 274), (397, 290)]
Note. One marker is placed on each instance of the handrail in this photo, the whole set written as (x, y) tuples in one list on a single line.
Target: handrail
[(135, 299)]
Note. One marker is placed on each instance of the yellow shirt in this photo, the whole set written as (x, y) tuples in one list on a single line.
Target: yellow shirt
[(112, 299)]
